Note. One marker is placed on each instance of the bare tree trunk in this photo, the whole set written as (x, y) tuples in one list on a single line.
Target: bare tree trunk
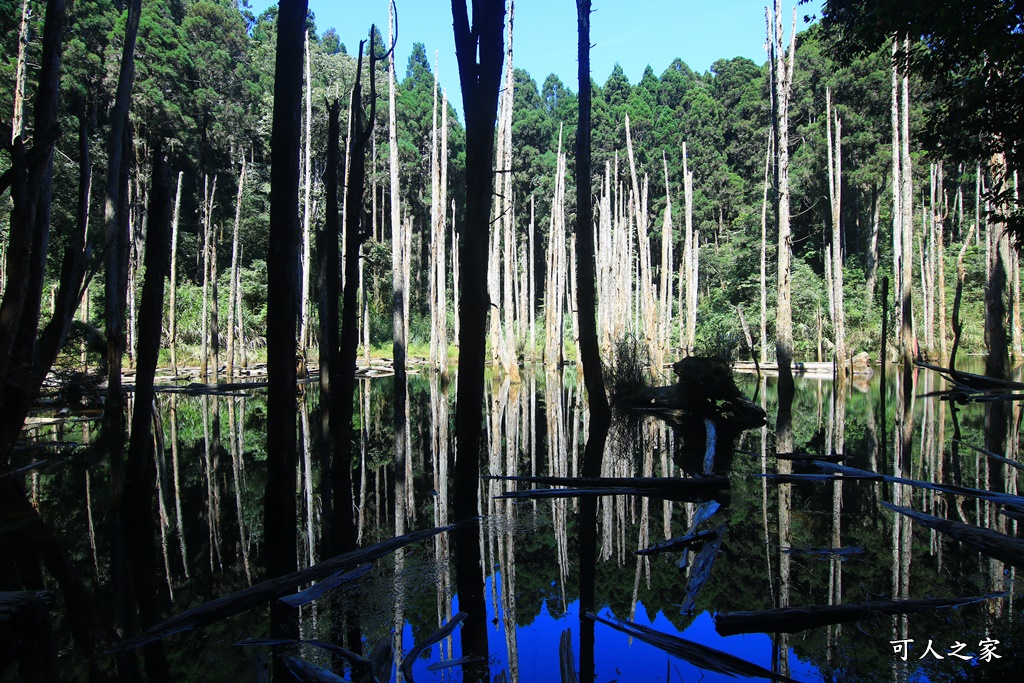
[(480, 84), (116, 232), (398, 278), (784, 310), (243, 356), (897, 198), (906, 206), (214, 307), (233, 294), (871, 275), (307, 210), (691, 260), (207, 209), (764, 248), (835, 182), (509, 361), (531, 274), (442, 272), (141, 470), (998, 363), (283, 291), (17, 120), (356, 232), (940, 257), (435, 230), (1014, 264), (665, 288), (172, 323)]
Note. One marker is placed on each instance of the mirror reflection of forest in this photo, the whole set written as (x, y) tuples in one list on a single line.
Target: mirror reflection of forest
[(833, 543)]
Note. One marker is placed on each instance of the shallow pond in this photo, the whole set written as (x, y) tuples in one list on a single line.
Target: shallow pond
[(782, 540)]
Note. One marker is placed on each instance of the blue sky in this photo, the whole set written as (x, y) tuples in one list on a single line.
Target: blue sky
[(633, 33)]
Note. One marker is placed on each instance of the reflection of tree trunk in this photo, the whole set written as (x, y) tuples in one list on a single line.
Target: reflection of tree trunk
[(784, 444), (236, 457), (177, 483)]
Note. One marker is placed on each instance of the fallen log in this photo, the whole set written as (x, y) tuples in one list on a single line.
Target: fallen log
[(992, 543), (697, 654), (678, 543), (247, 598), (796, 619)]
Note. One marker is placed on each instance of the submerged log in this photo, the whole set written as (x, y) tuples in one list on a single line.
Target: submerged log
[(697, 654), (679, 543), (796, 619), (992, 543), (247, 598), (668, 488)]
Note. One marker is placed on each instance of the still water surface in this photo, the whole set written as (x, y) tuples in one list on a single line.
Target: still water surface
[(783, 542)]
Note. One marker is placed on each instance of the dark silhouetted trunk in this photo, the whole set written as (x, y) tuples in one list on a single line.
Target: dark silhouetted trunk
[(355, 234), (283, 313), (140, 470), (22, 356), (480, 83)]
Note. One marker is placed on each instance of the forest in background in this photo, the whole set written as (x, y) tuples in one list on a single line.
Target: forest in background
[(204, 84)]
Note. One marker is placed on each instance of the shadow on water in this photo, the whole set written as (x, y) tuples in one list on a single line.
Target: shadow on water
[(790, 535)]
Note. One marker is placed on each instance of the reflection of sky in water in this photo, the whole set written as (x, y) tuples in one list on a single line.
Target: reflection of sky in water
[(617, 657)]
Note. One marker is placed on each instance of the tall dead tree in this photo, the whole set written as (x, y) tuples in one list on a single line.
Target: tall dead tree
[(835, 181), (18, 117), (307, 209), (690, 258), (479, 51), (907, 208), (172, 310), (586, 274), (140, 471), (282, 313), (233, 293), (399, 301), (357, 231), (782, 82), (115, 220)]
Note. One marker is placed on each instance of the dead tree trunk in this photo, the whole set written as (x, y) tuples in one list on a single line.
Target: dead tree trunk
[(897, 197), (763, 353), (25, 354), (356, 233), (140, 471), (399, 304), (328, 246), (479, 52), (835, 183), (690, 259), (307, 210), (172, 323), (233, 294), (783, 80), (282, 313), (116, 229), (586, 271), (907, 223), (17, 119)]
